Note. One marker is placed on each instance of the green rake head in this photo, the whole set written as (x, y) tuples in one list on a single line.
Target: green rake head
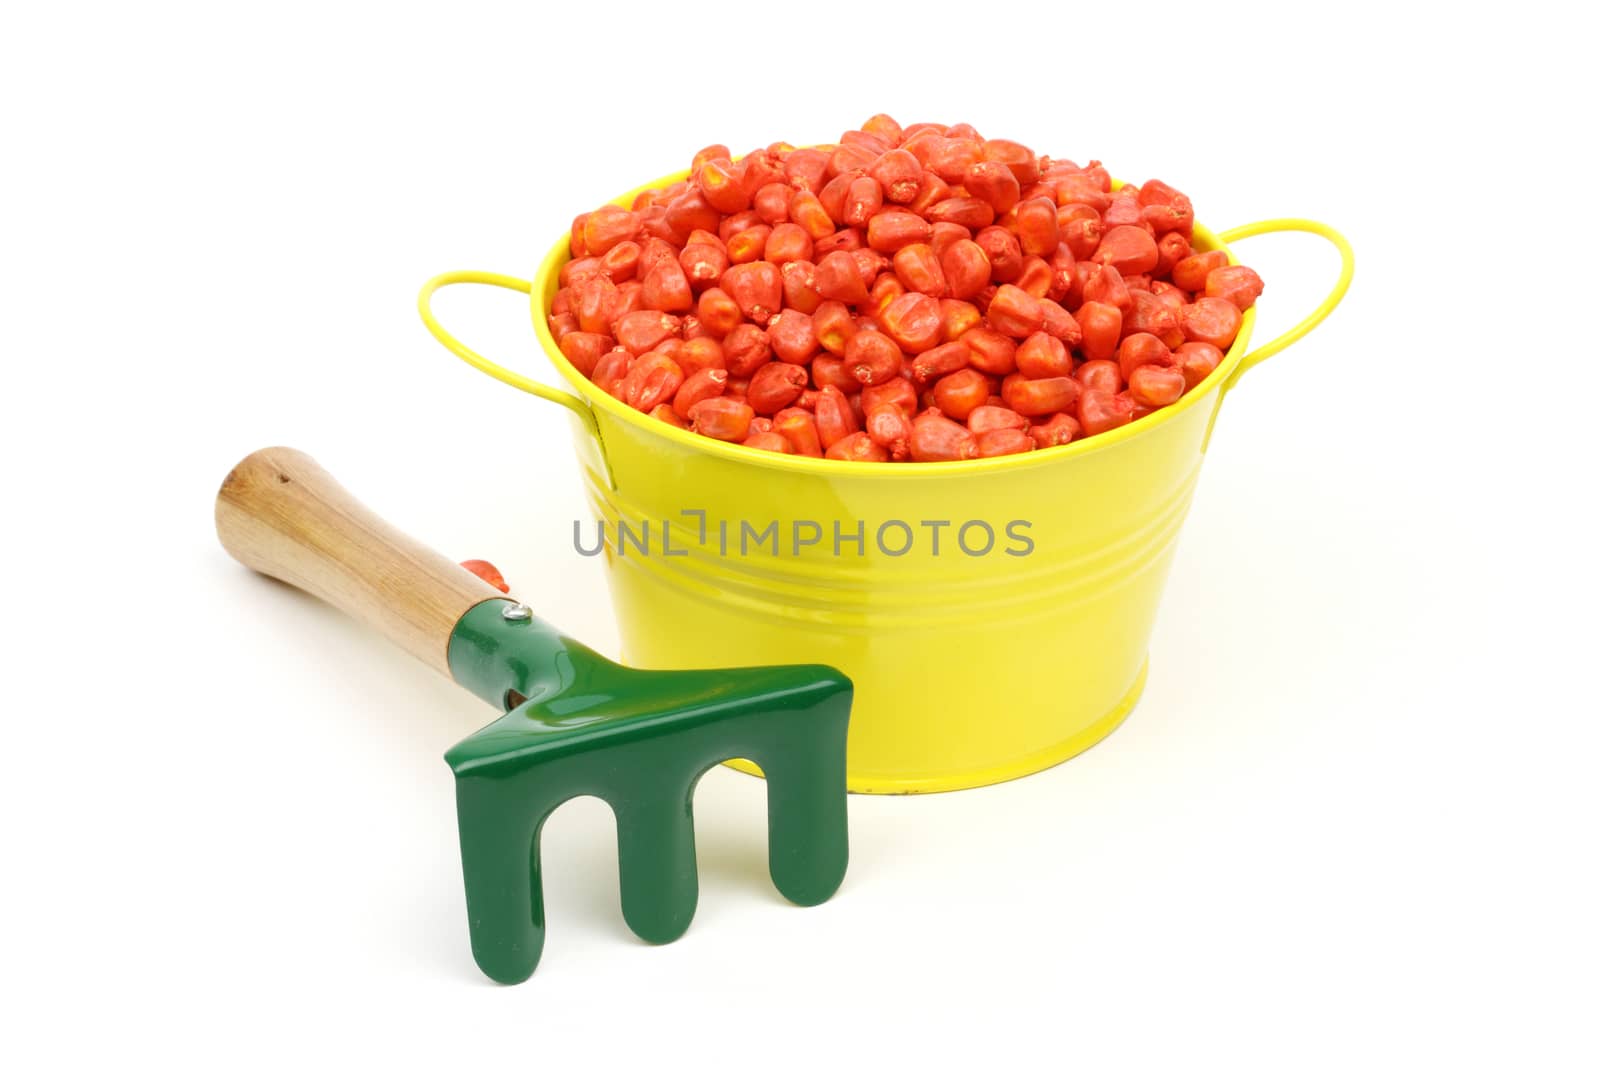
[(574, 723)]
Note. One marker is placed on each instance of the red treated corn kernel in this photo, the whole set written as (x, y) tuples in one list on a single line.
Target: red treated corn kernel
[(487, 572), (919, 271), (715, 151), (830, 371), (1211, 319), (724, 418), (640, 331), (858, 447), (832, 196), (653, 379), (890, 428), (966, 268), (1128, 248), (700, 354), (1099, 412), (561, 325), (839, 278), (1039, 396), (846, 240), (718, 312), (760, 168), (591, 301), (703, 263), (1015, 312), (1196, 359), (775, 386), (701, 385), (745, 349), (848, 157), (946, 234), (869, 264), (1058, 429), (886, 288), (1101, 326), (768, 441), (913, 321), (956, 317), (722, 186), (1104, 285), (1004, 442), (1123, 210), (793, 336), (1043, 356), (891, 230), (1190, 273), (787, 243), (959, 393), (749, 243), (991, 416), (1155, 386), (897, 391), (834, 325), (1082, 235), (629, 297), (900, 175), (665, 413), (951, 158), (1004, 252), (834, 417), (1035, 278), (757, 288), (1036, 228), (1022, 161), (872, 358), (806, 211), (666, 288), (611, 369), (937, 362), (799, 428), (1150, 314), (800, 286), (935, 439), (934, 189), (771, 203), (1059, 323), (1137, 349), (688, 213), (805, 169), (1172, 249), (583, 350), (607, 227), (863, 198), (1101, 375), (994, 184), (971, 212), (884, 129), (1238, 285), (990, 351), (620, 263)]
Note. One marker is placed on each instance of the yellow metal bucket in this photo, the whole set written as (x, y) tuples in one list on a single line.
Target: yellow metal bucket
[(995, 614)]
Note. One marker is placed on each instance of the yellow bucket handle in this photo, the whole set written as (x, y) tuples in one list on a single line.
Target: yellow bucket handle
[(1347, 269), (488, 366)]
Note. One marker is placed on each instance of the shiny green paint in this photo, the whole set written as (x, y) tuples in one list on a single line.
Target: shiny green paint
[(577, 724)]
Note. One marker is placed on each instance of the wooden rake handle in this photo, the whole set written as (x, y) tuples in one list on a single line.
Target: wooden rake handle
[(280, 513)]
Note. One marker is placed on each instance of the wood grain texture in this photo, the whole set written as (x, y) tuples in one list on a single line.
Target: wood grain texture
[(280, 513)]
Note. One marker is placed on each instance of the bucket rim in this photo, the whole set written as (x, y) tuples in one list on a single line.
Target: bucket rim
[(545, 280)]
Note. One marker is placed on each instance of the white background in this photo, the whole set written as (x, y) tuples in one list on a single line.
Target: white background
[(1351, 821)]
